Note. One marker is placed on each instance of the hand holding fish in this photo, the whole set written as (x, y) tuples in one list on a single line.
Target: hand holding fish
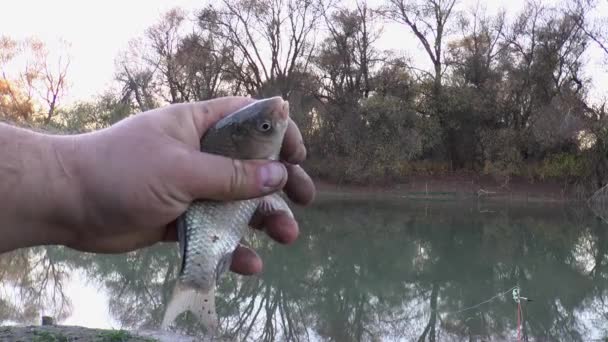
[(122, 188)]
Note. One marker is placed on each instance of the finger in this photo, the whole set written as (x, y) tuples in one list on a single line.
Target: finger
[(245, 261), (299, 187), (279, 226), (210, 176), (293, 150)]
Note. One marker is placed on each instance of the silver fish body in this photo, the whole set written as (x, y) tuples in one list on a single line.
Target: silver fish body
[(213, 231), (210, 231)]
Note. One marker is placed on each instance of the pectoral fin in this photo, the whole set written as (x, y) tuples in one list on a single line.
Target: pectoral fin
[(223, 266), (272, 203)]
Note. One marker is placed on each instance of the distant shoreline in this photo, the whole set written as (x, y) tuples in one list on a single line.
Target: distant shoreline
[(461, 186)]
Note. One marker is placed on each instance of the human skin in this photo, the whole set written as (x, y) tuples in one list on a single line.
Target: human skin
[(122, 188)]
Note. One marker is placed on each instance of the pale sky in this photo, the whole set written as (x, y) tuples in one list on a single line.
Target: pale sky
[(99, 30)]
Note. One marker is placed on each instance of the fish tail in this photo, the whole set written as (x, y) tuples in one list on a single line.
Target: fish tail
[(201, 303)]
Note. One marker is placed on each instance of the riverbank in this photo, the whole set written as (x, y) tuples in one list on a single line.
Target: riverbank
[(63, 333), (464, 186), (68, 333)]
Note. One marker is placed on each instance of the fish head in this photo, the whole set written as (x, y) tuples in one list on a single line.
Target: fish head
[(255, 131)]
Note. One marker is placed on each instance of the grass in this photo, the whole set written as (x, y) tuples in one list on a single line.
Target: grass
[(68, 334), (114, 336), (45, 336), (117, 336)]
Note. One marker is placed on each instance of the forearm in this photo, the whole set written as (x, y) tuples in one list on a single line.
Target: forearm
[(37, 192)]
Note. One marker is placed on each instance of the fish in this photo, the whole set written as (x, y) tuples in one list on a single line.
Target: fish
[(209, 231)]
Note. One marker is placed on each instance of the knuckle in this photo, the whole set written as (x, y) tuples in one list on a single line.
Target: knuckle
[(199, 112), (237, 177)]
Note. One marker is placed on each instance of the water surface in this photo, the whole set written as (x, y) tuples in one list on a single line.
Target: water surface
[(362, 270)]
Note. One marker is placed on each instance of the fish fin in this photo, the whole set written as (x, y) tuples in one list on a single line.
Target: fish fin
[(181, 238), (201, 303), (272, 203), (223, 265)]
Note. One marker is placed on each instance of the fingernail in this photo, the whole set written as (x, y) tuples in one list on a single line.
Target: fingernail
[(272, 175)]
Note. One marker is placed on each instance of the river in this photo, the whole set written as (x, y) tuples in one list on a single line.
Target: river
[(363, 269)]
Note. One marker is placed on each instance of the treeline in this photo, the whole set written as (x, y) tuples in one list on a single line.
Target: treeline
[(506, 94)]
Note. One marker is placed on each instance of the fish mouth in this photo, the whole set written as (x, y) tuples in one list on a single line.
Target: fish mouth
[(284, 111), (279, 107)]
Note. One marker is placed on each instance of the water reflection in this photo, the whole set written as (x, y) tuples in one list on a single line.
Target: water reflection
[(367, 270), (32, 284)]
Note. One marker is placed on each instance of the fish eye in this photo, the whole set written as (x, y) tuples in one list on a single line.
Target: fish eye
[(265, 126)]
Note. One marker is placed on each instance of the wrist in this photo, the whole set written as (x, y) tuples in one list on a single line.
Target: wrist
[(63, 183), (39, 186)]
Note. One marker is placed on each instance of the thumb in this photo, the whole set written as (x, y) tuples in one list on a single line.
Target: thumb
[(220, 178)]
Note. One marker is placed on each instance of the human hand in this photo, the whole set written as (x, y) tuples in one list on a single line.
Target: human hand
[(139, 175)]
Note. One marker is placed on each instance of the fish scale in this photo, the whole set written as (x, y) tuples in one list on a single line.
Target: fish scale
[(201, 256)]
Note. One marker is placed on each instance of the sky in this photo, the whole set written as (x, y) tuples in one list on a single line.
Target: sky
[(98, 30)]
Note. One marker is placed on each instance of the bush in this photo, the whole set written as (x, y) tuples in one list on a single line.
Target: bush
[(564, 165), (502, 156)]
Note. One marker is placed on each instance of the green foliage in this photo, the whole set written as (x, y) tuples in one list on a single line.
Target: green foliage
[(501, 152), (372, 141), (94, 115), (564, 165), (46, 336), (114, 336)]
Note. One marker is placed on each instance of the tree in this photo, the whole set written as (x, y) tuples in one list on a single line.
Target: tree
[(594, 29), (14, 104), (136, 77), (347, 57), (473, 57), (17, 92), (344, 63), (506, 97), (53, 83), (273, 41), (99, 113), (205, 61), (473, 87), (428, 20), (546, 86), (38, 87), (168, 64)]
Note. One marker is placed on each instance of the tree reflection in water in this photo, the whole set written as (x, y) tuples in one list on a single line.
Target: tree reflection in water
[(32, 284), (367, 270)]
